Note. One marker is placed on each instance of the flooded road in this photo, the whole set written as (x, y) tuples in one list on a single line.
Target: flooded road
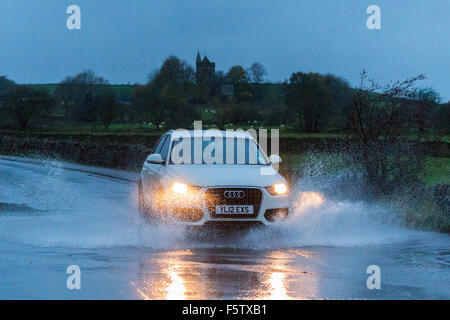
[(54, 215)]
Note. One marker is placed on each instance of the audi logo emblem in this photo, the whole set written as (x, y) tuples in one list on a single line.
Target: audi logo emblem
[(234, 194)]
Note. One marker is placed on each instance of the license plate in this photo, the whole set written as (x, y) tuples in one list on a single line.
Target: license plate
[(234, 209)]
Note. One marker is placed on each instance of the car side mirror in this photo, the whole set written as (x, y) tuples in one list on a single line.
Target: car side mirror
[(155, 159), (274, 159)]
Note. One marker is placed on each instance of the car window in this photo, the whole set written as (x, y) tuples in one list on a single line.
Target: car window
[(159, 145), (227, 151), (165, 148)]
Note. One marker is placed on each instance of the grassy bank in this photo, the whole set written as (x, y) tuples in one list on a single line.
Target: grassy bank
[(437, 170), (422, 206)]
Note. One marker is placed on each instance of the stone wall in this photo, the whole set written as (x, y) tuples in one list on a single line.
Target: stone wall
[(130, 151)]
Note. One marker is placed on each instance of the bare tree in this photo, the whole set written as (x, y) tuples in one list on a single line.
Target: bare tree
[(382, 124), (256, 73)]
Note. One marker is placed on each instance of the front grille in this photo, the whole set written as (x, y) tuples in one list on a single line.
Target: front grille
[(215, 196)]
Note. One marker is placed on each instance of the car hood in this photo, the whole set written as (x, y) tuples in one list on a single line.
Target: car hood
[(231, 175)]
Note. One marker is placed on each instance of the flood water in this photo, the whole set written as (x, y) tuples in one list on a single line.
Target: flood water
[(53, 215)]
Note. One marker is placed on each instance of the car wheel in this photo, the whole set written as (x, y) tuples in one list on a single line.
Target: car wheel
[(141, 203), (145, 209)]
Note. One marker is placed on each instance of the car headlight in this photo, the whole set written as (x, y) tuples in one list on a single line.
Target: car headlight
[(278, 189), (180, 188)]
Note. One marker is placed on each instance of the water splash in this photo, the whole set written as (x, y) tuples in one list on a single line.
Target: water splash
[(86, 211)]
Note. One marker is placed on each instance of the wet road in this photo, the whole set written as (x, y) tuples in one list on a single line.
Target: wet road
[(53, 215)]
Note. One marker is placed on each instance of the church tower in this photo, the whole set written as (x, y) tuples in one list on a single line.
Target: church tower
[(205, 70), (199, 59)]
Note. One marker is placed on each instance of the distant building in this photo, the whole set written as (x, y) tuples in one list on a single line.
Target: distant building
[(205, 70)]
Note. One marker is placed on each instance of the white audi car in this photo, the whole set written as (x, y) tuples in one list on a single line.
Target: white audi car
[(212, 177)]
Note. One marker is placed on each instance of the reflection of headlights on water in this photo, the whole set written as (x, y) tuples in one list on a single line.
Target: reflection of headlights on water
[(308, 200), (312, 198), (278, 189)]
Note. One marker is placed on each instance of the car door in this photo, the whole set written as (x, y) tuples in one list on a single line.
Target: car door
[(150, 171), (155, 172)]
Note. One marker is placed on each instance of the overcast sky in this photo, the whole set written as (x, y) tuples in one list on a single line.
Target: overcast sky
[(125, 40)]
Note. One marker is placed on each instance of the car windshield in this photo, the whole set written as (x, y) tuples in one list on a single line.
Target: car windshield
[(216, 150)]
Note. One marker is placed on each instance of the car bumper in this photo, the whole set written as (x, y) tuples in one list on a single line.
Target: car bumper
[(271, 209)]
